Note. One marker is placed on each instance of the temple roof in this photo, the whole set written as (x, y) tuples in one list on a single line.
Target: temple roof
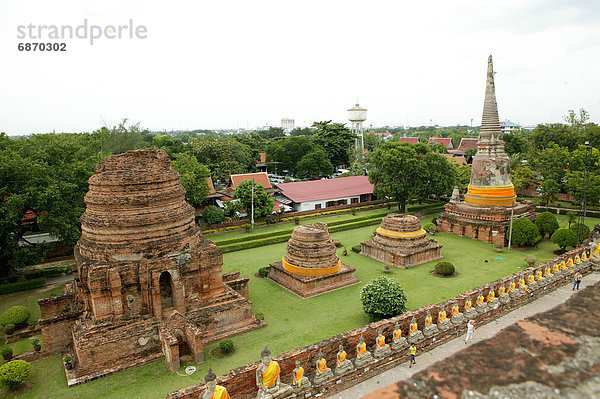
[(315, 190)]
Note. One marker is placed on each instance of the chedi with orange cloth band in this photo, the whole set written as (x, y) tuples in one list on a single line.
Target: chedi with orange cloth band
[(400, 241), (342, 363), (490, 200), (381, 348), (311, 266), (322, 372)]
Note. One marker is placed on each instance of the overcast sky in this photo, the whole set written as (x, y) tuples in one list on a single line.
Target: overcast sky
[(228, 64)]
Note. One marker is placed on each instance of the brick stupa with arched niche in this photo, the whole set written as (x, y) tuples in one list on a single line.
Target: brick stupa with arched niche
[(400, 241), (148, 284), (311, 266), (490, 199)]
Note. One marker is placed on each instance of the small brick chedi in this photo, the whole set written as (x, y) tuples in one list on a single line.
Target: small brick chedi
[(485, 212), (400, 241), (148, 284), (311, 266)]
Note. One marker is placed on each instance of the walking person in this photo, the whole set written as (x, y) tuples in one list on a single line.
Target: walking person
[(578, 278), (413, 353), (470, 328)]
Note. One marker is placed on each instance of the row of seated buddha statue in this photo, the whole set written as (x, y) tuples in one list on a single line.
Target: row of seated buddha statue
[(268, 372)]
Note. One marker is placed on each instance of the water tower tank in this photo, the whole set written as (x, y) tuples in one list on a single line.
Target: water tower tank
[(357, 114)]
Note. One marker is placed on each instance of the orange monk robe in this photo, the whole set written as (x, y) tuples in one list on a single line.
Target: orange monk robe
[(442, 317), (322, 365), (298, 376), (341, 357), (362, 349), (220, 393), (397, 333), (467, 304), (269, 376), (413, 328), (455, 310), (381, 341)]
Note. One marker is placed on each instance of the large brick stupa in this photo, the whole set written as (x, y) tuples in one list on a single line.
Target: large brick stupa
[(148, 284), (490, 198)]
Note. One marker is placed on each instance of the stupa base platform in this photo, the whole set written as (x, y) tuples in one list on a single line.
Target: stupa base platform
[(489, 224), (308, 287), (397, 258)]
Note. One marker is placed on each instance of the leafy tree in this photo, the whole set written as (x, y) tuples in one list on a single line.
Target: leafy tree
[(231, 207), (525, 233), (546, 223), (303, 131), (571, 216), (463, 176), (193, 177), (13, 373), (167, 143), (213, 214), (121, 138), (550, 191), (372, 141), (522, 176), (314, 164), (469, 154), (223, 155), (271, 133), (383, 298), (546, 136), (403, 171), (575, 185), (584, 231), (564, 238), (289, 151), (336, 139), (438, 147), (263, 202), (515, 143), (551, 162)]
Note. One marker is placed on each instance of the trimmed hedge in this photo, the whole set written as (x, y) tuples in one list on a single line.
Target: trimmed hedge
[(22, 285), (444, 268), (48, 272), (356, 248), (564, 211)]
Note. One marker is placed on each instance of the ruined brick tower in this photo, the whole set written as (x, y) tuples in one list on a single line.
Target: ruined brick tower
[(490, 199), (148, 283)]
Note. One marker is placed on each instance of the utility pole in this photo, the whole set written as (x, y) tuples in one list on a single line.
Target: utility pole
[(512, 212), (582, 213), (252, 207)]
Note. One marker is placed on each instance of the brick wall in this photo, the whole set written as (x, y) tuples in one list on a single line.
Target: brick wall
[(241, 383)]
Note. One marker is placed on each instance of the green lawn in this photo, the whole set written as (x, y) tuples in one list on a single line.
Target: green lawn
[(292, 321)]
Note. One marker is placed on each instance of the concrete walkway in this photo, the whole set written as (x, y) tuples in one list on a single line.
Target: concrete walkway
[(426, 359)]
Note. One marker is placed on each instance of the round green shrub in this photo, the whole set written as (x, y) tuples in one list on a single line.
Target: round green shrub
[(430, 228), (337, 242), (383, 298), (213, 214), (564, 238), (525, 233), (444, 268), (546, 223), (264, 271), (17, 315), (6, 350), (584, 231), (8, 327), (226, 345), (13, 373)]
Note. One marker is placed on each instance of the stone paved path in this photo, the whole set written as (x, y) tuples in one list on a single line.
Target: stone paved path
[(426, 359)]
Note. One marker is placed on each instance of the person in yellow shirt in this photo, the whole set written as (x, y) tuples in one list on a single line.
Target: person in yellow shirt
[(413, 353)]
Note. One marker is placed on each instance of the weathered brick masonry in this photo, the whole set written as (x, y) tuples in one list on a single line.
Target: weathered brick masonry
[(241, 383), (148, 283)]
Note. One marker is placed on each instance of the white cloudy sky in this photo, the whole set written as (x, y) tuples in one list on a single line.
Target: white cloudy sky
[(228, 64)]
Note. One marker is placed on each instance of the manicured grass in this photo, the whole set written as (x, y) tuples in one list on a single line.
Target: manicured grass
[(292, 321), (24, 345), (29, 299)]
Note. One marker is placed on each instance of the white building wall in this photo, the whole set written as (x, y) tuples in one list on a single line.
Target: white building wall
[(310, 205)]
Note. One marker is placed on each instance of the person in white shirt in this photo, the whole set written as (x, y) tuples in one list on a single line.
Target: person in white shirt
[(470, 328)]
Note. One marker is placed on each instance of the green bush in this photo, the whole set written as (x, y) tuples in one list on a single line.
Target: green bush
[(337, 242), (584, 231), (356, 249), (525, 233), (383, 298), (13, 373), (213, 214), (430, 228), (48, 272), (17, 315), (8, 327), (209, 231), (546, 223), (22, 285), (564, 238), (226, 345), (6, 350), (264, 271), (444, 268)]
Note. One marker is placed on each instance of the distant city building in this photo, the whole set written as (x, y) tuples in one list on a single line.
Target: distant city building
[(508, 127), (287, 124)]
